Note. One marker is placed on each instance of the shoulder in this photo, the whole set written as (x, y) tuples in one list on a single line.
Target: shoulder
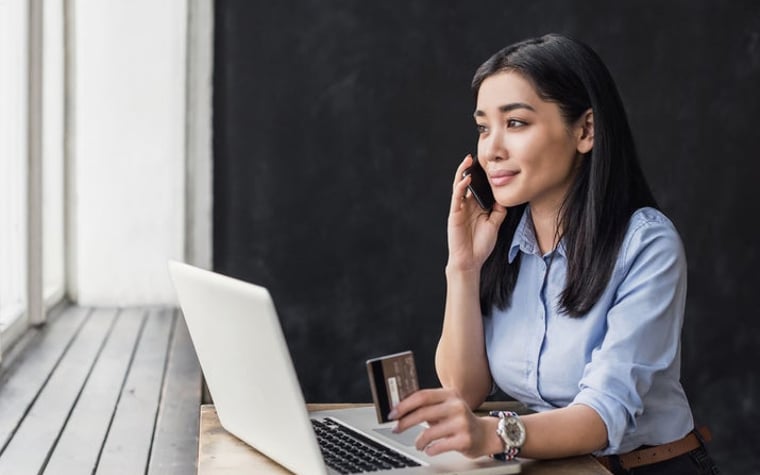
[(651, 232)]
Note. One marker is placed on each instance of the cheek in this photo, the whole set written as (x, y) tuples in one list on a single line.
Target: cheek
[(484, 144), (540, 150), (524, 149)]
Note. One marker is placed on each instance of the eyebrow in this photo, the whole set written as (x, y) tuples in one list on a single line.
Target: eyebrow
[(507, 108)]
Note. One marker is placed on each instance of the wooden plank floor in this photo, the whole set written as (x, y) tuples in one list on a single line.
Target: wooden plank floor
[(101, 390)]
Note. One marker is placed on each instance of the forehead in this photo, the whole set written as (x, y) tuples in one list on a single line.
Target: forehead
[(505, 88)]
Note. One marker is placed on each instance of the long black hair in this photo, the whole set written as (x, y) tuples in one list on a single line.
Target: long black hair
[(607, 189)]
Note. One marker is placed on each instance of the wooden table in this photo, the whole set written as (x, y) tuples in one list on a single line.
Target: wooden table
[(221, 453)]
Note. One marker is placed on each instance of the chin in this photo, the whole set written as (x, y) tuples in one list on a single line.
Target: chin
[(510, 202)]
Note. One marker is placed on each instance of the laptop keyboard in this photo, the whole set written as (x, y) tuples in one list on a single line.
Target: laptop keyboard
[(348, 451)]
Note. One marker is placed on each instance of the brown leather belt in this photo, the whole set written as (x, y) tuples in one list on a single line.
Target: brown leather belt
[(658, 453)]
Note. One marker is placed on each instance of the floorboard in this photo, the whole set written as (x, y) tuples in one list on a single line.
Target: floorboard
[(29, 448), (176, 432), (127, 446), (22, 380), (99, 390), (79, 446)]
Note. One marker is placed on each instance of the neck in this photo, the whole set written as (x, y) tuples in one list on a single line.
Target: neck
[(546, 227), (545, 213)]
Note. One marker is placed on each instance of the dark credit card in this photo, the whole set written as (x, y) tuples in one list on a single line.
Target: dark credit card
[(392, 378)]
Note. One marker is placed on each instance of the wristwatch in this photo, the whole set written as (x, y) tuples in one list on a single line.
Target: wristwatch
[(511, 430)]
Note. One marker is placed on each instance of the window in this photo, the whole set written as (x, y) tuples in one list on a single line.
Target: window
[(53, 139), (21, 248), (13, 159)]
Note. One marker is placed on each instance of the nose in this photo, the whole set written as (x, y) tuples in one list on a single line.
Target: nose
[(492, 147)]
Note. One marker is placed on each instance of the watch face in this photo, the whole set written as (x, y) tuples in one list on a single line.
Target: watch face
[(514, 430)]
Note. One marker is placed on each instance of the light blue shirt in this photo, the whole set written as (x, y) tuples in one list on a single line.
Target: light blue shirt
[(622, 359)]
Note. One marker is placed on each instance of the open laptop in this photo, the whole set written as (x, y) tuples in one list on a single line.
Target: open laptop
[(248, 369)]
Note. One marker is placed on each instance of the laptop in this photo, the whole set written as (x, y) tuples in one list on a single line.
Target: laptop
[(250, 375)]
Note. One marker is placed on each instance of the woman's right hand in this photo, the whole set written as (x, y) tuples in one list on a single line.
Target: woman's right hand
[(472, 231)]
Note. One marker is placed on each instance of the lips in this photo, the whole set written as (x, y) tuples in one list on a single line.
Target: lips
[(501, 177)]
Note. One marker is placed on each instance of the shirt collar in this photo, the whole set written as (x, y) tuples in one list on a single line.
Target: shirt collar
[(525, 240)]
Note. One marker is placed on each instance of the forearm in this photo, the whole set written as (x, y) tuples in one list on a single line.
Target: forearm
[(565, 432), (461, 360)]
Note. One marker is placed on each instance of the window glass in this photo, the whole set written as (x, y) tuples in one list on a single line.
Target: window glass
[(13, 157)]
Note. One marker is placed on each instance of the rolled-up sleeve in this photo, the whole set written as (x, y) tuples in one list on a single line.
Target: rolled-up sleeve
[(643, 330)]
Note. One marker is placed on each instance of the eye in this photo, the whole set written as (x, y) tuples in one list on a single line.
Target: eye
[(515, 123), (481, 128)]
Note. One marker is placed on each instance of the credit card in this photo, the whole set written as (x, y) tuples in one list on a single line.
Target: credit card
[(391, 378)]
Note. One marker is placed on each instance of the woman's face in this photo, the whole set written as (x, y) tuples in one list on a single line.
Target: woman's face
[(528, 151)]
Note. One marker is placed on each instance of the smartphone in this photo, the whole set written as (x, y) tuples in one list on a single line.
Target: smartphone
[(479, 186)]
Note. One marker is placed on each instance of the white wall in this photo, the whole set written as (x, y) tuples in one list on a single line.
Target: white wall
[(127, 139)]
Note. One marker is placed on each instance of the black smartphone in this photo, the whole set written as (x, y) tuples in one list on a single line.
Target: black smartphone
[(479, 186)]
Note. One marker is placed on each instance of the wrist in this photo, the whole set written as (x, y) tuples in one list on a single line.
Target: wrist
[(464, 273), (493, 443)]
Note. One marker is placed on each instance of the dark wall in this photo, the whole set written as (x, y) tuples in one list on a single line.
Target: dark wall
[(338, 126)]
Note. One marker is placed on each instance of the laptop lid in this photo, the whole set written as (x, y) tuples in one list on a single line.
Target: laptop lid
[(247, 365)]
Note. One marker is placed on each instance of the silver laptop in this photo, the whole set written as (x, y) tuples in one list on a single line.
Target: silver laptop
[(250, 375)]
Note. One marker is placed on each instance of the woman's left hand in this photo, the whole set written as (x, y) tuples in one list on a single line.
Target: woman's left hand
[(453, 426)]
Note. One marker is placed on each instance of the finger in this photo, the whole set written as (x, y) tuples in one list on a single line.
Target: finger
[(441, 431), (460, 194), (442, 405), (497, 215), (468, 161), (435, 412), (460, 442), (446, 444), (420, 398)]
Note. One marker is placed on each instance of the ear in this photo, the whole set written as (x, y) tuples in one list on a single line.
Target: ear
[(585, 132)]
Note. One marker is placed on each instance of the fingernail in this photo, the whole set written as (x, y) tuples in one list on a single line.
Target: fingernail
[(393, 414), (395, 429)]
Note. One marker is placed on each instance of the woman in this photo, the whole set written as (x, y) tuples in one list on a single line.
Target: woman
[(569, 293)]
